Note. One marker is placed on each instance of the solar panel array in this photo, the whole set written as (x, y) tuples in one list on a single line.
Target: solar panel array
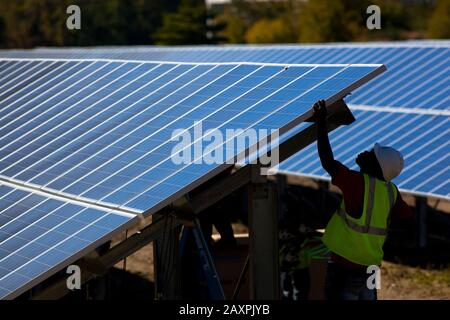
[(87, 145), (406, 107), (39, 235)]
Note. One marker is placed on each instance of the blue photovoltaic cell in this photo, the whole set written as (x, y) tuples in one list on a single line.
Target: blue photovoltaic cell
[(41, 235), (423, 140), (417, 71), (417, 76), (108, 136), (101, 131)]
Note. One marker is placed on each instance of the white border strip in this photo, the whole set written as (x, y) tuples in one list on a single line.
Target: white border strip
[(66, 197), (421, 111), (201, 63)]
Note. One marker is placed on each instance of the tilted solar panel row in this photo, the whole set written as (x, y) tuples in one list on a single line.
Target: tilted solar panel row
[(105, 132), (418, 77), (85, 146), (423, 140), (40, 235)]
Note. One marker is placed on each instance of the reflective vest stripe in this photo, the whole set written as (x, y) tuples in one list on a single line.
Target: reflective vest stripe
[(370, 201), (361, 229)]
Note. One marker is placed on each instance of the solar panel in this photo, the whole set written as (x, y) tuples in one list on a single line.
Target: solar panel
[(86, 145), (39, 235), (106, 132), (415, 68), (423, 139), (418, 77)]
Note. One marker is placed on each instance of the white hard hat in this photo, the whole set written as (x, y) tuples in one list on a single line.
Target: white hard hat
[(390, 160)]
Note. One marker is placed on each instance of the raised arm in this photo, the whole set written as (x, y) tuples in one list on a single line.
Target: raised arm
[(323, 143)]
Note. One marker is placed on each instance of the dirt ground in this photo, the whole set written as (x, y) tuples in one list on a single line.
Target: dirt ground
[(398, 282)]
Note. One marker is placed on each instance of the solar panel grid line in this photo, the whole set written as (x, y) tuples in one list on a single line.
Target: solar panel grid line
[(338, 56), (47, 100), (16, 70), (23, 80), (394, 60), (447, 99), (444, 183), (399, 68), (134, 116), (321, 55), (28, 80), (2, 117), (17, 235), (66, 197), (212, 113), (367, 137), (12, 204), (54, 87), (115, 103), (5, 66), (383, 109), (166, 125), (42, 199), (398, 98), (36, 280), (63, 111), (426, 181), (334, 137), (283, 51), (412, 141), (429, 68), (434, 150), (5, 79), (148, 121), (445, 95), (312, 53), (423, 172), (337, 137), (288, 126), (416, 139), (374, 55), (22, 75), (250, 63), (48, 214), (281, 129), (363, 142), (327, 178), (23, 96)]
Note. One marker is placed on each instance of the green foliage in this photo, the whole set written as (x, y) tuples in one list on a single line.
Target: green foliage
[(331, 21), (29, 23), (270, 31), (185, 26), (439, 24), (241, 15)]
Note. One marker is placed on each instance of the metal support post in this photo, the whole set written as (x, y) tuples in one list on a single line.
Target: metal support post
[(263, 232), (166, 261), (421, 211)]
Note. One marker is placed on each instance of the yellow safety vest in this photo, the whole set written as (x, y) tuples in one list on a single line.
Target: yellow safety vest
[(361, 240)]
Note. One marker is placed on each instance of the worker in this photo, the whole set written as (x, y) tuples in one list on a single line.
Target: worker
[(357, 230)]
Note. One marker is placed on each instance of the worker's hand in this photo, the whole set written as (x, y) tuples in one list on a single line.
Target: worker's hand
[(319, 111)]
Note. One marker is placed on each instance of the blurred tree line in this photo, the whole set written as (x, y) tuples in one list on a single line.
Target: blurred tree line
[(29, 23), (310, 21)]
